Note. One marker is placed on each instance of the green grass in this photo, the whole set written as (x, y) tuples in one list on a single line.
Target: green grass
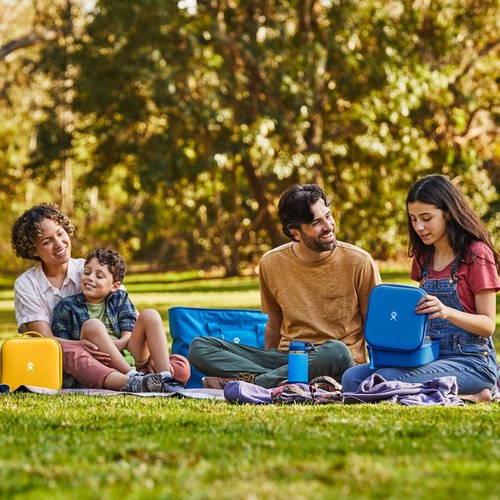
[(129, 447), (160, 292), (146, 448)]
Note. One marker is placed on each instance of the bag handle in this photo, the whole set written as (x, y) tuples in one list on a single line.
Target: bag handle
[(217, 329), (214, 330), (31, 333)]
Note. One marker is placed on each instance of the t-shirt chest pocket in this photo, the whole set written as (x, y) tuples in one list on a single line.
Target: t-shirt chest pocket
[(335, 306)]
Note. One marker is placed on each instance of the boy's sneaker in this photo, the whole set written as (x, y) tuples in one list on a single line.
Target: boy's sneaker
[(170, 384), (151, 382)]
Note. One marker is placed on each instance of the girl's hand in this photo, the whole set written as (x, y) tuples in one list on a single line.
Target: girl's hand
[(433, 307)]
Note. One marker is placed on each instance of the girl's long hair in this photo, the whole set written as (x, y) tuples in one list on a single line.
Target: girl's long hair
[(464, 226)]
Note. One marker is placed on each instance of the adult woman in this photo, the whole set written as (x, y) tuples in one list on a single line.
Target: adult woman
[(457, 266), (43, 234)]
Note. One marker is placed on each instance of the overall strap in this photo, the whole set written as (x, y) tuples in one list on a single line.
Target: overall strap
[(453, 272), (426, 268)]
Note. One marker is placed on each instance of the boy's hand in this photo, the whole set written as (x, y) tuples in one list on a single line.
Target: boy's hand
[(121, 344)]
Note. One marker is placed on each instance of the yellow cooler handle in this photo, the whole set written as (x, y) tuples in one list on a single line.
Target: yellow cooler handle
[(31, 334)]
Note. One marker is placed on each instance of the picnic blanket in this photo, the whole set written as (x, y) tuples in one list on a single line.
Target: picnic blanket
[(179, 392), (321, 390), (375, 389)]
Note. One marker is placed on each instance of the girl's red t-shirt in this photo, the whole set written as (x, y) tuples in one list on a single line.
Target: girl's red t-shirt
[(479, 273)]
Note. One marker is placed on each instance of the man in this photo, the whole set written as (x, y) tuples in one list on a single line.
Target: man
[(313, 289)]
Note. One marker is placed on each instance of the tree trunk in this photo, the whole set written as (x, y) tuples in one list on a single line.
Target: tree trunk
[(265, 207)]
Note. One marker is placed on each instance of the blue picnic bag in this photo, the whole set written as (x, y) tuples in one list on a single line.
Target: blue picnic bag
[(241, 326), (395, 333)]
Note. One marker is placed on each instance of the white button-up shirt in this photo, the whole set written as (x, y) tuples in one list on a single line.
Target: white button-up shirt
[(35, 297)]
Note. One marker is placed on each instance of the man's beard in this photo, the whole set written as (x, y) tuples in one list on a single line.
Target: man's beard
[(316, 245)]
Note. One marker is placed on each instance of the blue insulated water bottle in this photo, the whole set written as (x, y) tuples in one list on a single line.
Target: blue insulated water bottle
[(298, 360)]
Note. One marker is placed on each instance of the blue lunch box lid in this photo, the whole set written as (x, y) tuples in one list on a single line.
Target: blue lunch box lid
[(391, 320)]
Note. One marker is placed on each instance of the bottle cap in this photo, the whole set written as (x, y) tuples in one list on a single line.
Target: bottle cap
[(299, 346)]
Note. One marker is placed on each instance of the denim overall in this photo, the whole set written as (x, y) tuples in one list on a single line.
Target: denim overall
[(464, 355), (471, 358)]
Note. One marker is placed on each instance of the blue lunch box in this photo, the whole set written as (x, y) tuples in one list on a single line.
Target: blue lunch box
[(395, 333)]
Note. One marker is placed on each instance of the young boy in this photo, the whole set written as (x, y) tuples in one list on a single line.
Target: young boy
[(103, 315)]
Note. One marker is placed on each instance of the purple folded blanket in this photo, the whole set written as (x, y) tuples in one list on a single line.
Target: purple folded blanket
[(320, 390), (375, 389), (244, 392)]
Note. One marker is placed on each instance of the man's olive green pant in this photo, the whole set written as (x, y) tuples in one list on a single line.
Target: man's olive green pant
[(220, 358)]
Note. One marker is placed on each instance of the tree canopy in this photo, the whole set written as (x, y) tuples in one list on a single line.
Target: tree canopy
[(168, 130)]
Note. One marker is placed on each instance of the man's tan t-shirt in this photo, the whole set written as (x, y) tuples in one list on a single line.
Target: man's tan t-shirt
[(322, 300)]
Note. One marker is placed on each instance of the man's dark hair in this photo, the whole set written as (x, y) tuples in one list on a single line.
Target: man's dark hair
[(113, 260), (294, 207), (26, 229)]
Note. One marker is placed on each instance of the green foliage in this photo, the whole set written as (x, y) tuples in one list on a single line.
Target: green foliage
[(170, 132)]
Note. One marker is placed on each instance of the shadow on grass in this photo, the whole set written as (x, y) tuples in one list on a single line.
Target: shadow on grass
[(7, 283)]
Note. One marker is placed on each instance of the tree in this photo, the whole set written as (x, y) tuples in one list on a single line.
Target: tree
[(184, 126)]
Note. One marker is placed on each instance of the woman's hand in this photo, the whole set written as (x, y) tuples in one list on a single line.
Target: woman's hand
[(102, 357), (433, 307), (482, 323)]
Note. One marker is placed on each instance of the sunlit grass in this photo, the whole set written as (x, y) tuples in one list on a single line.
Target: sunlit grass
[(58, 447), (164, 290), (127, 447)]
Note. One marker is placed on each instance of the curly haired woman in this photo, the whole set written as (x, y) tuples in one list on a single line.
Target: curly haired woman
[(43, 234)]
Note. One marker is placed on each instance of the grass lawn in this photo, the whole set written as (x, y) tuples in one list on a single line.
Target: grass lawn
[(130, 447)]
